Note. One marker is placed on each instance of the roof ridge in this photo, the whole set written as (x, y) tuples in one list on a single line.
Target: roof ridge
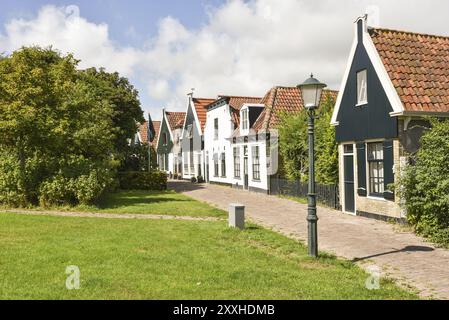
[(229, 96), (174, 112), (408, 32), (203, 99)]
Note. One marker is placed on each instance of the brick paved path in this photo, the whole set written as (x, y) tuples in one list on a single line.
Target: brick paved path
[(400, 254)]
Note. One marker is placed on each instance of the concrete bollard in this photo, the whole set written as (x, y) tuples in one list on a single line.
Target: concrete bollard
[(237, 216)]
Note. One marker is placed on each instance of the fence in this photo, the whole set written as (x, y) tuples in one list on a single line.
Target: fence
[(327, 195)]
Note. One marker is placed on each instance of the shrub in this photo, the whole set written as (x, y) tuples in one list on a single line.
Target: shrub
[(200, 179), (193, 180), (424, 186), (140, 180), (80, 188)]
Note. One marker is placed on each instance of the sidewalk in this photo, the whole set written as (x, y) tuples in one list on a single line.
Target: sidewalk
[(401, 255)]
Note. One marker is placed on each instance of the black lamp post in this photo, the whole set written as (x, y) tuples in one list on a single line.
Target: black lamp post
[(311, 91)]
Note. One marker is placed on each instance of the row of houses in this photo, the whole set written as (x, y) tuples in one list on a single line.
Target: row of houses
[(392, 82)]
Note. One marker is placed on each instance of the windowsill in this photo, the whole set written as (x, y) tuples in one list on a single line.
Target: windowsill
[(363, 104), (256, 180), (376, 197), (238, 178), (223, 177)]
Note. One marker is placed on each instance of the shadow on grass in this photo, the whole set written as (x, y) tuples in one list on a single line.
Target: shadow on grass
[(130, 201)]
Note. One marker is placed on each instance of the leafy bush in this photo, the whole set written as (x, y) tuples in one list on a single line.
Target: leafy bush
[(424, 186), (200, 179), (294, 145), (63, 131), (193, 180), (140, 180)]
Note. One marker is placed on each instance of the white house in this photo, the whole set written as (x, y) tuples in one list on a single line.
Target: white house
[(192, 138), (254, 146), (222, 120)]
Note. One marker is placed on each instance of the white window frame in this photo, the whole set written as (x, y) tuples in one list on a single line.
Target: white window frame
[(245, 119), (362, 87)]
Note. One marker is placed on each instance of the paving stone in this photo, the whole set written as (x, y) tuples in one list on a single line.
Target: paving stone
[(401, 254)]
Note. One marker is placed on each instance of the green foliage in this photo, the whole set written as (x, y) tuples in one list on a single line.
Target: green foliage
[(294, 148), (424, 186), (136, 158), (62, 131), (123, 99), (141, 180)]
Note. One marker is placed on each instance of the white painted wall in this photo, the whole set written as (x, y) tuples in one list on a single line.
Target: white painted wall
[(220, 145)]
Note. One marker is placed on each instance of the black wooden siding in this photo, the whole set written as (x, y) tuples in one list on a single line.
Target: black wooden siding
[(371, 121)]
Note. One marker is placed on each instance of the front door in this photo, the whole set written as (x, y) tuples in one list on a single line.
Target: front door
[(245, 173), (349, 183)]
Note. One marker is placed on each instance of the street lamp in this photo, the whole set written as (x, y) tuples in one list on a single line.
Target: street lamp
[(311, 91)]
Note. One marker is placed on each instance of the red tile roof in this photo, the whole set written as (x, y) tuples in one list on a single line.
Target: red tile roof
[(283, 99), (236, 102), (175, 119), (157, 130), (201, 111), (143, 130), (418, 66)]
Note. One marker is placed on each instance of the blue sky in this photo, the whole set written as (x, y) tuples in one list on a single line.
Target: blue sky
[(235, 47), (121, 16)]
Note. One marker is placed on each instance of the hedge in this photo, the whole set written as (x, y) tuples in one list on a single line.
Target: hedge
[(424, 185), (142, 180)]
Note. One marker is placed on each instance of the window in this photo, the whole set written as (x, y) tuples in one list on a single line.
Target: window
[(216, 170), (376, 169), (362, 94), (268, 149), (192, 165), (164, 139), (216, 129), (349, 148), (237, 162), (223, 165), (189, 131), (245, 124), (256, 163)]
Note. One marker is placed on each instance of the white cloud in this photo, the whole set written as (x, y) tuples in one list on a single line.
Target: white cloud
[(65, 30), (245, 47)]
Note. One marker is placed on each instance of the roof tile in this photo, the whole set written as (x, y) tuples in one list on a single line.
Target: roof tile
[(418, 65)]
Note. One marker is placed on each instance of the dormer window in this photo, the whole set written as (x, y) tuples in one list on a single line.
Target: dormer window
[(164, 139), (245, 122), (362, 88)]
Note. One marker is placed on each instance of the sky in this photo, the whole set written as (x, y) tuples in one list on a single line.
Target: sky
[(234, 47)]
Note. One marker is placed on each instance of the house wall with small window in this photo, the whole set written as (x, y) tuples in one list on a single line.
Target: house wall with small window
[(217, 142), (368, 137)]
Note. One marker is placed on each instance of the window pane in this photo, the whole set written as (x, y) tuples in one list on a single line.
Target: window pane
[(362, 96), (349, 148)]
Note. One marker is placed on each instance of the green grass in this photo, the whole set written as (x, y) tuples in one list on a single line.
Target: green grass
[(156, 259), (148, 202)]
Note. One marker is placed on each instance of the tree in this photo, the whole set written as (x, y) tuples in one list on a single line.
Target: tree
[(63, 132), (424, 184), (294, 148), (123, 98)]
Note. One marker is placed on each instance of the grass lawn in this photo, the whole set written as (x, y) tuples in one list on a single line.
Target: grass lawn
[(149, 202), (155, 259)]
